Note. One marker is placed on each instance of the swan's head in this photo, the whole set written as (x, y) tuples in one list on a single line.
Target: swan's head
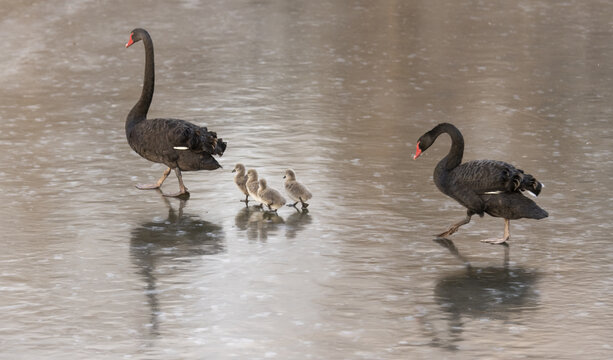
[(240, 168), (262, 184), (252, 174), (423, 144), (136, 35), (290, 174)]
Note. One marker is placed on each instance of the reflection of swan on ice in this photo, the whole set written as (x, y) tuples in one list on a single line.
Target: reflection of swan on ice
[(180, 238), (178, 235), (493, 292)]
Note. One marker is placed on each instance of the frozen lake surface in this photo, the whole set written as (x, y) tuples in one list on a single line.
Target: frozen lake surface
[(340, 91)]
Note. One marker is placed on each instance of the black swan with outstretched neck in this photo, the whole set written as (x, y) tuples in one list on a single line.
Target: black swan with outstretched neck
[(482, 186), (178, 144)]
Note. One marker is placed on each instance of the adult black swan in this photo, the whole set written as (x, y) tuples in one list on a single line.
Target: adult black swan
[(482, 186), (178, 144)]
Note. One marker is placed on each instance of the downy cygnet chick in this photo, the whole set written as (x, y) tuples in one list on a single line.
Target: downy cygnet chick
[(253, 184), (240, 179), (269, 196), (295, 190)]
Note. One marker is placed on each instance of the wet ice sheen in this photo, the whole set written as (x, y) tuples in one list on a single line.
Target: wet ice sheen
[(338, 91)]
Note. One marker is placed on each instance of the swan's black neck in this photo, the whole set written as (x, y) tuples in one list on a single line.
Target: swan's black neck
[(454, 157), (140, 109)]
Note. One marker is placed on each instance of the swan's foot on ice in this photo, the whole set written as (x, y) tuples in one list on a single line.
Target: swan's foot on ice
[(507, 234), (157, 185), (495, 241), (147, 186), (183, 193)]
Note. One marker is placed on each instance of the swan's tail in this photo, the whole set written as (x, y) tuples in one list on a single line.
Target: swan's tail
[(527, 182), (220, 147), (212, 144), (201, 140)]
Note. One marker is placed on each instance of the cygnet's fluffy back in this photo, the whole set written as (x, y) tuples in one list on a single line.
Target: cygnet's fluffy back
[(269, 196), (295, 190)]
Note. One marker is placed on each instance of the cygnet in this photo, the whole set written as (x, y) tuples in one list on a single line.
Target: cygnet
[(269, 196), (295, 190), (240, 179)]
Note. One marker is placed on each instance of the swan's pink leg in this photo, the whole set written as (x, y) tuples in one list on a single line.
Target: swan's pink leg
[(507, 234), (157, 184), (455, 227), (182, 189)]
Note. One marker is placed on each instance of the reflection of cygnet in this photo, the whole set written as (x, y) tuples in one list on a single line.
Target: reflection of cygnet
[(262, 224), (253, 185), (269, 196), (240, 179), (295, 190)]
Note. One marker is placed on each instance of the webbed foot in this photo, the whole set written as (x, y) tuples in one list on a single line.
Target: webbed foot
[(147, 186), (495, 241), (183, 195)]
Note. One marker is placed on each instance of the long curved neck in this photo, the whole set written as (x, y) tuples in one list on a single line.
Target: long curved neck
[(140, 109), (454, 157)]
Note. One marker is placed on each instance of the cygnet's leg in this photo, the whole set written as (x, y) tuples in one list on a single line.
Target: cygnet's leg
[(455, 226), (182, 189), (507, 234), (293, 205), (246, 201), (157, 184), (304, 205)]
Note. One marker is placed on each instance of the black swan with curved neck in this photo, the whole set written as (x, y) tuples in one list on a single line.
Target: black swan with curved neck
[(482, 186), (178, 144)]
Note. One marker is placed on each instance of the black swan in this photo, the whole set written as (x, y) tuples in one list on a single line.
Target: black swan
[(482, 186), (178, 144)]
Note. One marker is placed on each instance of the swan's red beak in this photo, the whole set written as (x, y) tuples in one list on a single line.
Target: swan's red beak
[(417, 152), (130, 42)]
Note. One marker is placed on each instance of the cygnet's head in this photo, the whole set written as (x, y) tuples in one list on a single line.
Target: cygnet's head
[(290, 175), (252, 174), (239, 167)]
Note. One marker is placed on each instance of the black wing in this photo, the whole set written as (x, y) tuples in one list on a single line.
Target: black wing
[(184, 135), (492, 176), (484, 176)]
